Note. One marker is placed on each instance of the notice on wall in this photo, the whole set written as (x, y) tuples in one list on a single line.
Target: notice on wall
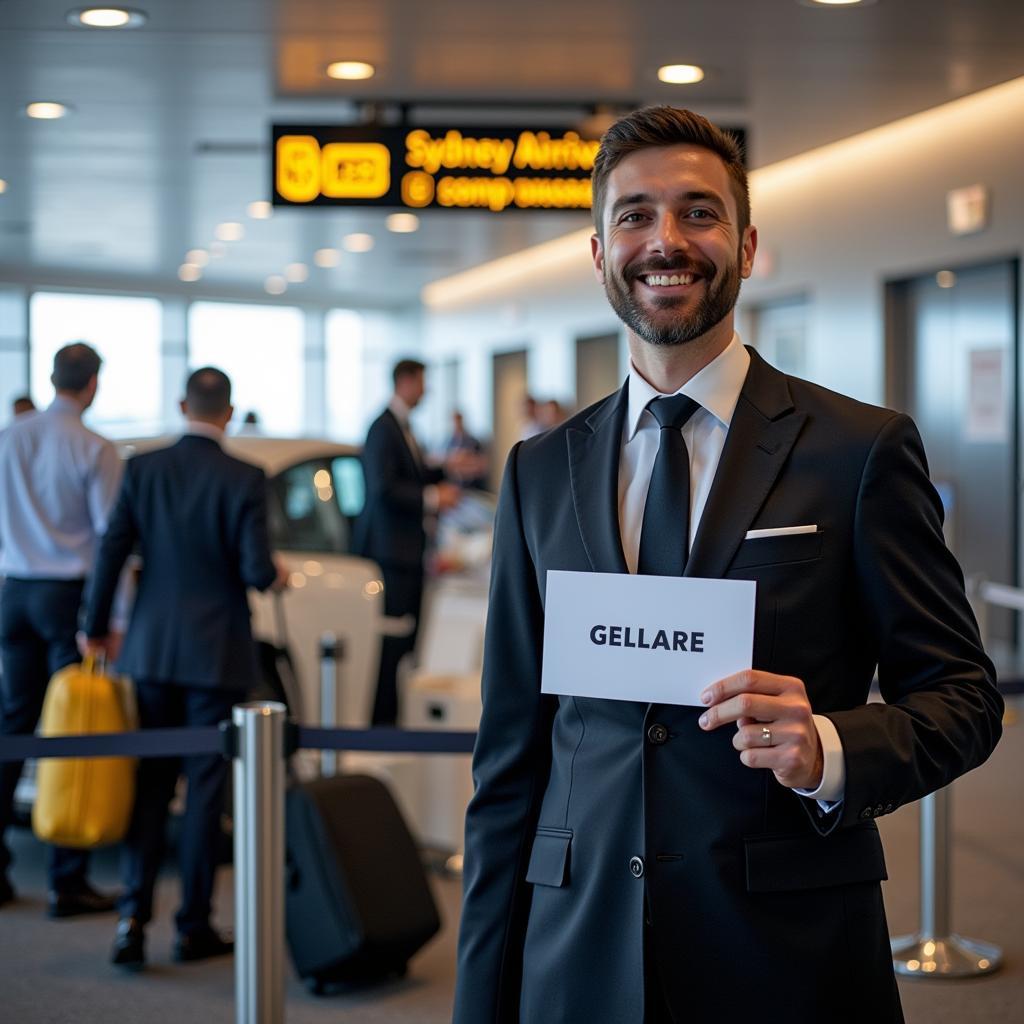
[(987, 402), (659, 639)]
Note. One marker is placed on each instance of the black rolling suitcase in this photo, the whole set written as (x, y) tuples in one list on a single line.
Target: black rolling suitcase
[(357, 901)]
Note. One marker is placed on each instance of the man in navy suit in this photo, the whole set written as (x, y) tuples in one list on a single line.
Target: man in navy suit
[(400, 489), (199, 518)]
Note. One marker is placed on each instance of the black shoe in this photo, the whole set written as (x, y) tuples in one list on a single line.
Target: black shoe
[(129, 949), (6, 891), (83, 900), (200, 945)]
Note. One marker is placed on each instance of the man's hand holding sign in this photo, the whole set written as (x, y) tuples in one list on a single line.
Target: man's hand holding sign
[(774, 725)]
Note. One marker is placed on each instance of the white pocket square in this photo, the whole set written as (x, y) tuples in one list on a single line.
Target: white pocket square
[(779, 531)]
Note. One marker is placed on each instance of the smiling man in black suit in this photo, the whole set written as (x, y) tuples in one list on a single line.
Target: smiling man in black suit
[(631, 862), (199, 519)]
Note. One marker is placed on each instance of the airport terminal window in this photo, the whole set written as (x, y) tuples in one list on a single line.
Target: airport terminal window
[(313, 505), (343, 373), (261, 349), (126, 332)]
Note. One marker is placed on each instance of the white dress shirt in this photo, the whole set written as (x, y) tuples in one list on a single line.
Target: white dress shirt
[(402, 412), (58, 482), (716, 388)]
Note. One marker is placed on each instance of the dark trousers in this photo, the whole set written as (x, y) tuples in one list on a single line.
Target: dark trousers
[(403, 595), (38, 621), (162, 706)]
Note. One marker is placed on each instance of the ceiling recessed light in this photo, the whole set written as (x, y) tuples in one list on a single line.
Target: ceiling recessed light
[(189, 272), (106, 17), (47, 111), (3, 186), (230, 231), (200, 257), (358, 242), (681, 74), (296, 272), (402, 223), (945, 279), (260, 210), (350, 70), (837, 3), (275, 285), (327, 258)]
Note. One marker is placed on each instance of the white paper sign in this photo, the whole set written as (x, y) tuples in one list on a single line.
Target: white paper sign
[(654, 639)]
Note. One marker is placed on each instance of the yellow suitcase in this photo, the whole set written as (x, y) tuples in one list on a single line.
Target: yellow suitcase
[(84, 802)]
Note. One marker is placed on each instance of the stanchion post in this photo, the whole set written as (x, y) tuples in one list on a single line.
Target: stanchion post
[(331, 652), (936, 951), (259, 862)]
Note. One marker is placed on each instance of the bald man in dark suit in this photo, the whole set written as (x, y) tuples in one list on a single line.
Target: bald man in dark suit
[(199, 519)]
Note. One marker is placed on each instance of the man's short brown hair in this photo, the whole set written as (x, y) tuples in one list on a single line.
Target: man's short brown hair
[(407, 368), (668, 126)]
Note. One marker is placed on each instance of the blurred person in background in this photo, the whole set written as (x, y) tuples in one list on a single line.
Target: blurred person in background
[(401, 489), (473, 470), (549, 413), (21, 405), (58, 481), (531, 422), (199, 518)]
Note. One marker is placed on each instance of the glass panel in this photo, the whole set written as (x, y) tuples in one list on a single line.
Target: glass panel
[(260, 349), (126, 333), (349, 485), (305, 516)]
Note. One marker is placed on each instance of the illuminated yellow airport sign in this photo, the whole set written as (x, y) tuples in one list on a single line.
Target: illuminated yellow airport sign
[(459, 168)]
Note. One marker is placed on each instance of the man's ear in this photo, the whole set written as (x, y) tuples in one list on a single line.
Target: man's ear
[(597, 254), (747, 250), (183, 406)]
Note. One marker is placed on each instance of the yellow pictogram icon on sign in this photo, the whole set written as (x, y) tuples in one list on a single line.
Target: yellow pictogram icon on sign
[(417, 189), (298, 168), (355, 170)]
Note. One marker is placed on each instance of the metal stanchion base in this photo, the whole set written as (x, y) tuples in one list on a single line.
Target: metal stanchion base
[(918, 956)]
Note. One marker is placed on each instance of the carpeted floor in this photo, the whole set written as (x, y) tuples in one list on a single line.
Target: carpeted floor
[(56, 972)]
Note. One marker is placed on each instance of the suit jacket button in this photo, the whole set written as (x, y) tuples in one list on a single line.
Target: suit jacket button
[(636, 867), (879, 809), (889, 808), (866, 813), (657, 734)]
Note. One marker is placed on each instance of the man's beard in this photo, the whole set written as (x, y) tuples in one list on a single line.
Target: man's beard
[(721, 289)]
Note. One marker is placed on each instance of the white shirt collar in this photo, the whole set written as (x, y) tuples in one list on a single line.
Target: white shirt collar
[(716, 387), (66, 405), (202, 429), (400, 410)]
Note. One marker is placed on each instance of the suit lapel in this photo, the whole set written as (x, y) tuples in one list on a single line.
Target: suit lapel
[(763, 430), (594, 478)]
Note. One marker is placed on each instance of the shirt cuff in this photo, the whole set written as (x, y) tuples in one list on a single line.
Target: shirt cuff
[(431, 499), (832, 788)]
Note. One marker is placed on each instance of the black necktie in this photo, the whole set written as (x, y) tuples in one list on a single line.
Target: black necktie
[(665, 535)]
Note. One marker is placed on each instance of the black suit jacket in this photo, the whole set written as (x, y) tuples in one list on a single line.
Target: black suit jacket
[(390, 528), (199, 518), (762, 907)]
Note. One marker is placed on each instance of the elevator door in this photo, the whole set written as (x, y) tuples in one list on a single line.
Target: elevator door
[(961, 389), (509, 383)]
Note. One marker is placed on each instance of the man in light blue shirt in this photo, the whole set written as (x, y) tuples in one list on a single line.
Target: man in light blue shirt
[(58, 481)]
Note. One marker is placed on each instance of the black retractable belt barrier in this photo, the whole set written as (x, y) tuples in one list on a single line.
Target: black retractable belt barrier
[(213, 739)]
